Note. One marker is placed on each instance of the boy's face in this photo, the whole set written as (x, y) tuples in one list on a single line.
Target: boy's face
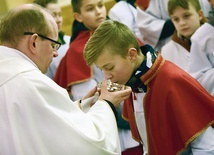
[(92, 13), (56, 13), (186, 21), (115, 67)]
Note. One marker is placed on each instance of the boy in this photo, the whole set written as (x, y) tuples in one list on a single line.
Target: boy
[(187, 16), (155, 24), (177, 119), (73, 72), (202, 51)]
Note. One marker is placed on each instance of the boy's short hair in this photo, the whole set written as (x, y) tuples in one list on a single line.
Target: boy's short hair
[(113, 36), (173, 4), (44, 3), (76, 5)]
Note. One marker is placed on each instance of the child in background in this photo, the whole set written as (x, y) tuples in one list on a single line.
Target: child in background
[(201, 65), (172, 115), (154, 22), (55, 9), (187, 16), (73, 72)]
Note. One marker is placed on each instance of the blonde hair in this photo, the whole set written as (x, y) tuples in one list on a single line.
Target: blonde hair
[(113, 36)]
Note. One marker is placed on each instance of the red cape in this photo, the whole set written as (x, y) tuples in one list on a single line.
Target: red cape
[(73, 69), (177, 108)]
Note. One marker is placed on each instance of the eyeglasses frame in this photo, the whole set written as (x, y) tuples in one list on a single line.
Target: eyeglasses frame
[(44, 37)]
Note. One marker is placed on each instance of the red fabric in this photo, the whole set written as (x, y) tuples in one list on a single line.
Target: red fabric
[(143, 4), (73, 68), (138, 150), (140, 42), (185, 43), (177, 108)]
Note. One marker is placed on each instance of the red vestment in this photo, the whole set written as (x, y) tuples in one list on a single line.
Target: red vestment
[(73, 68), (177, 108)]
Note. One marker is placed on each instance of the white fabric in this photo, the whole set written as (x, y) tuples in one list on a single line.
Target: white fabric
[(125, 13), (81, 89), (151, 21), (140, 119), (206, 7), (61, 52), (201, 65), (37, 116), (126, 140), (202, 145), (176, 53)]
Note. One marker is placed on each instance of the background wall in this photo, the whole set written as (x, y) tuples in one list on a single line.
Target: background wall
[(67, 12)]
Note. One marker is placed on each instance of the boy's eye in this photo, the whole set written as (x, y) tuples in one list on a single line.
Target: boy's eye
[(100, 5), (109, 68), (89, 9), (187, 16), (175, 19)]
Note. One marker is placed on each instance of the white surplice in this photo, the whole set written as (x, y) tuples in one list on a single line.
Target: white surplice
[(201, 64), (176, 53)]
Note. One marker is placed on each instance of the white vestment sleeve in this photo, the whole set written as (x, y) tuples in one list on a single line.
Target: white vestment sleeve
[(201, 64)]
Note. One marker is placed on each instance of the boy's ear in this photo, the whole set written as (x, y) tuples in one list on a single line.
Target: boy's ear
[(132, 54), (201, 14), (78, 17)]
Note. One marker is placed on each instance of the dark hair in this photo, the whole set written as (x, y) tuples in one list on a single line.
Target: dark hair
[(172, 4), (77, 27), (44, 3), (132, 2), (76, 4)]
